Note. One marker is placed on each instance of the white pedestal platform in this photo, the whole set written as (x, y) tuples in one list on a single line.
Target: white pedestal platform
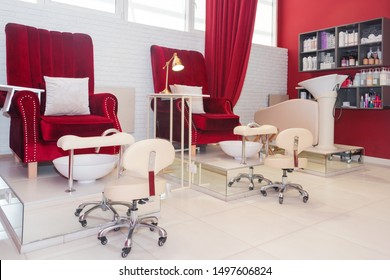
[(38, 213)]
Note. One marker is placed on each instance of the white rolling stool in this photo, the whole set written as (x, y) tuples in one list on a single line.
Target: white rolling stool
[(293, 141), (252, 129)]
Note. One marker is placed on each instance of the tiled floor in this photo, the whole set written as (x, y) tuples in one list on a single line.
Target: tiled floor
[(346, 217)]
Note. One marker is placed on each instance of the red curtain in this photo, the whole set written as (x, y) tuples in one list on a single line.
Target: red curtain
[(228, 41)]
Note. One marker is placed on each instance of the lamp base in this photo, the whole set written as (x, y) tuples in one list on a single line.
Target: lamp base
[(166, 91)]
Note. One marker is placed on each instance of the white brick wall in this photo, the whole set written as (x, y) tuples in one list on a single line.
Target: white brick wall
[(266, 74), (122, 56)]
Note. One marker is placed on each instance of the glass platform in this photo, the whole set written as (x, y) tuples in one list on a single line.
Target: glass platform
[(329, 163), (212, 170)]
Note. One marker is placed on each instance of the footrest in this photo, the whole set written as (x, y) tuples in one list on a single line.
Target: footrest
[(245, 130), (70, 142)]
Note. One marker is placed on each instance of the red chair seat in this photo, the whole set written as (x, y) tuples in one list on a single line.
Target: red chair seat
[(215, 122), (54, 127)]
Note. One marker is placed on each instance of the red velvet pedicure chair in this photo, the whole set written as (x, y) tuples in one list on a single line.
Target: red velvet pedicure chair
[(37, 58), (214, 123)]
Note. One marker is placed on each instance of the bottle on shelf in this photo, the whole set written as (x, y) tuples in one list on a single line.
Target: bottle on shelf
[(356, 80), (310, 63), (351, 60), (341, 39), (379, 52), (375, 77), (369, 78), (361, 102), (375, 57), (366, 100), (351, 38), (388, 76), (304, 64), (369, 53), (363, 77), (377, 102), (371, 57), (383, 77), (344, 62)]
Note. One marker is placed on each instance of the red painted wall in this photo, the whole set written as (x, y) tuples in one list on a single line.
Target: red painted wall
[(369, 129)]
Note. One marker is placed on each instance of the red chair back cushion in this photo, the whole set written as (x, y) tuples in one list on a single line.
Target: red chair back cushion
[(32, 53), (193, 74)]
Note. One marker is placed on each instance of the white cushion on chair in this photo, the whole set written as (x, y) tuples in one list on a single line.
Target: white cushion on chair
[(131, 186), (66, 96), (245, 130), (197, 103)]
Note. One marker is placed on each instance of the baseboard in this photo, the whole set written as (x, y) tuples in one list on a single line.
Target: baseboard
[(5, 156), (375, 160)]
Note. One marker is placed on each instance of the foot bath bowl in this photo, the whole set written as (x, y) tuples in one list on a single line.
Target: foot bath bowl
[(88, 167), (234, 148)]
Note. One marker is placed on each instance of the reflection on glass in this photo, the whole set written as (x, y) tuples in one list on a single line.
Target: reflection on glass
[(12, 209), (212, 171)]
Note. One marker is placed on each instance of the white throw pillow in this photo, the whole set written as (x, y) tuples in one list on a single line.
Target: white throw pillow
[(197, 103), (173, 88), (66, 96)]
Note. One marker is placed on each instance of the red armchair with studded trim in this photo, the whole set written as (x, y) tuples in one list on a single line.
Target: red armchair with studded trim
[(213, 125), (33, 58)]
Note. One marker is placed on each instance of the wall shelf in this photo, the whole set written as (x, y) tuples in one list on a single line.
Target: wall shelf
[(365, 94), (328, 48)]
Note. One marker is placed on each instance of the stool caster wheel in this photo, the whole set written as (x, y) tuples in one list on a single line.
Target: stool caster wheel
[(77, 212), (161, 241), (152, 229), (125, 252), (305, 198), (83, 223), (251, 187), (103, 240), (264, 193), (281, 200)]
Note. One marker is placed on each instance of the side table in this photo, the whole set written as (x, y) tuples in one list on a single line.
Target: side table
[(172, 96), (10, 93)]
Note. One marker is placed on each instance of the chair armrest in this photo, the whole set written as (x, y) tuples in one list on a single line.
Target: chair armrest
[(217, 105), (105, 104), (25, 112)]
